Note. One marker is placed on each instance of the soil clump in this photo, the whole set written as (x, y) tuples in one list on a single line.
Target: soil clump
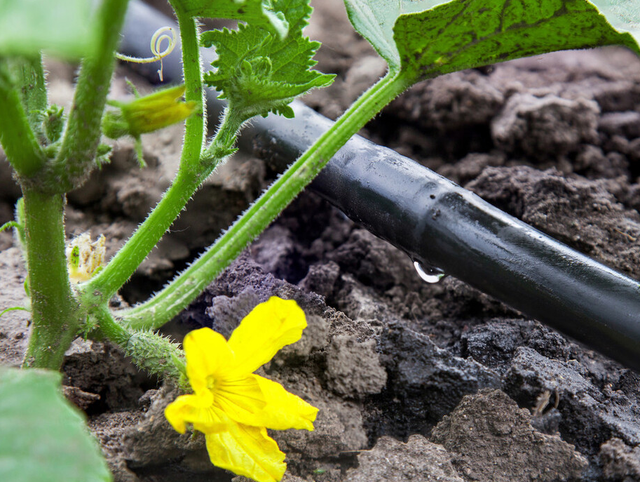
[(414, 381)]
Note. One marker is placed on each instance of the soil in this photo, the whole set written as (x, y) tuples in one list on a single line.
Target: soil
[(414, 381)]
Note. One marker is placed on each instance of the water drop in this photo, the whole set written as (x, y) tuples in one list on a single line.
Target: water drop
[(430, 274)]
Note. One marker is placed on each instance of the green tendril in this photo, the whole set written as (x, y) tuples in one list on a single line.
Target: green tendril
[(14, 308)]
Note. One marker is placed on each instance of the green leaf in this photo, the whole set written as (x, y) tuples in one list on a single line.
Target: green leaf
[(465, 33), (374, 20), (461, 34), (258, 72), (623, 15), (258, 12), (42, 437), (62, 27)]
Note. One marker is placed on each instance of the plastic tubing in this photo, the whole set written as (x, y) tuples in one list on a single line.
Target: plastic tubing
[(440, 224)]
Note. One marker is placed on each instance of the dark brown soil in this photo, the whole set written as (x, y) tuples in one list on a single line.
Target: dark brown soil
[(414, 381)]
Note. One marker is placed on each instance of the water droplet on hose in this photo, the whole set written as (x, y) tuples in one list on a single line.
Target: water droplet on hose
[(430, 274)]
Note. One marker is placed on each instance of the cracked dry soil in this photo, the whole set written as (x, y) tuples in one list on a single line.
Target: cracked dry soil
[(414, 381)]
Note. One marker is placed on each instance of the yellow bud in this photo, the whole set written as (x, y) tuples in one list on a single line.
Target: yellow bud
[(147, 114)]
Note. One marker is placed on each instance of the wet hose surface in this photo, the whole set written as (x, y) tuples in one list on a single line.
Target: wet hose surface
[(438, 223)]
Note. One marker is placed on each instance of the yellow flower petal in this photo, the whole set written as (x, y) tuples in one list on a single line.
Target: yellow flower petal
[(264, 331), (260, 402), (247, 451), (209, 358), (191, 409), (284, 410), (157, 110), (242, 400)]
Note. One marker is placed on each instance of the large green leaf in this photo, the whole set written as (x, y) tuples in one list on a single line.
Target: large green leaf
[(374, 20), (460, 34), (61, 26), (622, 15), (257, 12), (42, 437)]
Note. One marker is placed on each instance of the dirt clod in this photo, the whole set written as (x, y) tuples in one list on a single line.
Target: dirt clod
[(353, 368), (553, 140), (544, 125), (417, 460), (619, 461), (492, 439)]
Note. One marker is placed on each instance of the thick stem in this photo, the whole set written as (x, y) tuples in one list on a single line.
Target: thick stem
[(182, 290), (76, 158), (16, 135), (55, 314)]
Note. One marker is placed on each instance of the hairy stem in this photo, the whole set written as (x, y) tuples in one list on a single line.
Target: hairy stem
[(76, 158), (18, 139), (149, 351), (183, 289), (29, 75), (192, 68), (108, 281), (190, 175), (55, 313)]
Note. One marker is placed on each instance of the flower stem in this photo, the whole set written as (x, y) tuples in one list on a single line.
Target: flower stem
[(55, 313), (183, 289), (149, 351)]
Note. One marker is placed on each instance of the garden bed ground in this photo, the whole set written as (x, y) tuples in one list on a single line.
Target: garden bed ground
[(414, 381)]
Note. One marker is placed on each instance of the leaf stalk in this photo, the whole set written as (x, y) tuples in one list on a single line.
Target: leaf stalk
[(18, 139), (184, 288), (76, 158)]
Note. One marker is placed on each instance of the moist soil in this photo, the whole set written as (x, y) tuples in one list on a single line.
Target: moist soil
[(414, 381)]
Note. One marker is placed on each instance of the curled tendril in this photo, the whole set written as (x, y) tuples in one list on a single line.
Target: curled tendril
[(156, 43)]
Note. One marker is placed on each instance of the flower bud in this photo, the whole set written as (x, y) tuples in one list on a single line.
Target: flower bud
[(147, 114)]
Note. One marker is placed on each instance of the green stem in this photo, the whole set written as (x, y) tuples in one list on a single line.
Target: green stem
[(55, 314), (149, 351), (16, 135), (195, 125), (29, 75), (184, 289), (190, 175), (109, 280), (110, 328), (82, 136)]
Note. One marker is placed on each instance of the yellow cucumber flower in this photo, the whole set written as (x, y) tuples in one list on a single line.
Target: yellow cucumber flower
[(234, 407)]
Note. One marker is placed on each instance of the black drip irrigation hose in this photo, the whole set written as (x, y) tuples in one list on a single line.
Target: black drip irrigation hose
[(439, 224)]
